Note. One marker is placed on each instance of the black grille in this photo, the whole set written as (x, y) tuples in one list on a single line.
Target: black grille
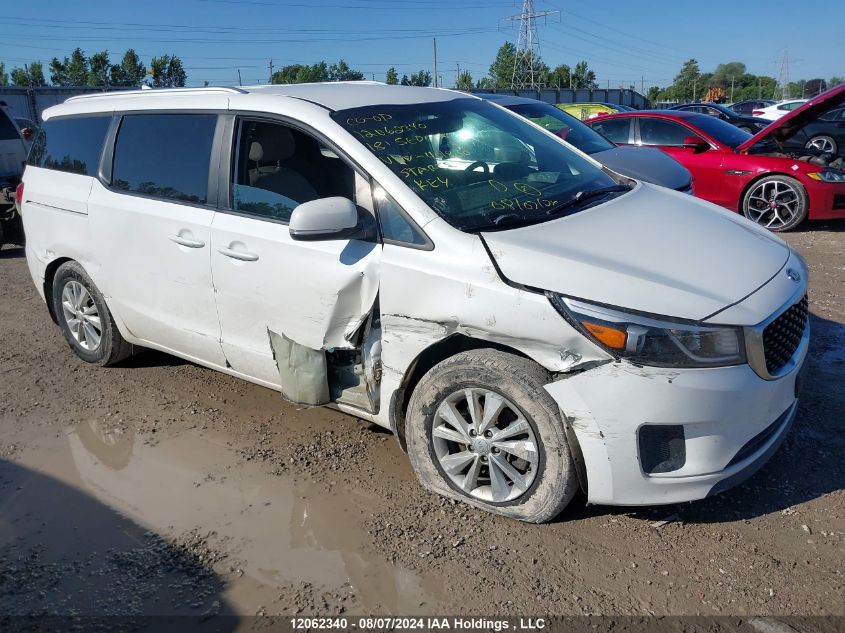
[(839, 201), (783, 335)]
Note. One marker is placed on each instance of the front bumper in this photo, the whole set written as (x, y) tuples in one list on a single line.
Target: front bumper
[(724, 412)]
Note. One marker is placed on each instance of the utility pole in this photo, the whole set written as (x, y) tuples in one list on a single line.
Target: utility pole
[(434, 41), (240, 83), (457, 74), (525, 75), (694, 85), (270, 66), (732, 88), (642, 84)]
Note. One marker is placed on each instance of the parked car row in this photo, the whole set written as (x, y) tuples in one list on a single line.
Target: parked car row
[(583, 111), (527, 320), (745, 123)]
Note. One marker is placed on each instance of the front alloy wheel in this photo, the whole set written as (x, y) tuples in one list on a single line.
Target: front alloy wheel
[(481, 427), (778, 203), (484, 445)]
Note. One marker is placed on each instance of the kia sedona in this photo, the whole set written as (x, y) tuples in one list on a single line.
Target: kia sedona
[(527, 322)]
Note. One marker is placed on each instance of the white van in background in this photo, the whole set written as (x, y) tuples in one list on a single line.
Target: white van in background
[(526, 321)]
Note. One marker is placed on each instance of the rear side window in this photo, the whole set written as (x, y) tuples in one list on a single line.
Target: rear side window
[(614, 129), (662, 132), (8, 131), (165, 155), (73, 145)]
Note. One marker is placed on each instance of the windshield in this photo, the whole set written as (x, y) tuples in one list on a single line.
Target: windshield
[(476, 165), (723, 132), (563, 125)]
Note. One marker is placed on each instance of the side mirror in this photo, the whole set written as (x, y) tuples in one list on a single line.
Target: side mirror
[(696, 143), (324, 219), (26, 133)]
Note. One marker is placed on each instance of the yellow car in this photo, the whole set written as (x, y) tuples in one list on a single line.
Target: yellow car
[(585, 111)]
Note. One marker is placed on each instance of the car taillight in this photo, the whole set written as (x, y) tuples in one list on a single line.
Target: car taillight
[(757, 113), (19, 196)]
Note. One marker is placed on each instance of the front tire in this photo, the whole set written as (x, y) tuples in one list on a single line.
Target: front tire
[(482, 429), (779, 203), (84, 318)]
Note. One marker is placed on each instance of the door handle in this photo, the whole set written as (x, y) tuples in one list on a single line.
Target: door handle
[(244, 256), (186, 241)]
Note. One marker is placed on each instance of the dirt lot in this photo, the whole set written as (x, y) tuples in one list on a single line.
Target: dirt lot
[(162, 487)]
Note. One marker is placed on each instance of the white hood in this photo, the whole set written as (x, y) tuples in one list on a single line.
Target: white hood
[(651, 250)]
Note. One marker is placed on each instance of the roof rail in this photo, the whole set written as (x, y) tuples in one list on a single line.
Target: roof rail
[(152, 91)]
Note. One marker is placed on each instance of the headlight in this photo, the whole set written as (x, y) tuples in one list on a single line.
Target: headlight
[(652, 340), (828, 175)]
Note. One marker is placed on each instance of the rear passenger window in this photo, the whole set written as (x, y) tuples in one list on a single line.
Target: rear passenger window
[(73, 145), (616, 130), (165, 155), (662, 132)]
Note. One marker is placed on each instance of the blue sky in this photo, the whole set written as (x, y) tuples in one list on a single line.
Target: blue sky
[(624, 42)]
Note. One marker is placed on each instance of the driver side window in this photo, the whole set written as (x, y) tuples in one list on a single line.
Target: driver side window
[(277, 167)]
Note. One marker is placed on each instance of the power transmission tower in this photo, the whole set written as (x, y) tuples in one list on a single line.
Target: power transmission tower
[(783, 77), (526, 74)]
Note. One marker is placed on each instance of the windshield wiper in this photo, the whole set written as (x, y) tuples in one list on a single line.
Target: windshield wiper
[(584, 196)]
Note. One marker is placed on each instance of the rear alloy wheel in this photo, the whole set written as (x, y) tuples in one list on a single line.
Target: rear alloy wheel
[(826, 144), (481, 428), (84, 318), (778, 203)]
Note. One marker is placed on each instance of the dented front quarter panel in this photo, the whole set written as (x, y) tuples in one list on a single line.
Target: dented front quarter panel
[(427, 296)]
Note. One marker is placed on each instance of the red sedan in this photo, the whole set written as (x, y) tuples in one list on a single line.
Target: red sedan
[(761, 175)]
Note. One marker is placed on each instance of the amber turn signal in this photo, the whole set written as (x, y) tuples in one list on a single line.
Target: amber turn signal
[(611, 337)]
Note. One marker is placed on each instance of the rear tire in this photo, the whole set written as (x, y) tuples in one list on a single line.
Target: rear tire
[(823, 143), (84, 318), (528, 473), (778, 203)]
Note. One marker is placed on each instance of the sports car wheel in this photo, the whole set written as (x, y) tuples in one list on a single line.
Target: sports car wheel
[(778, 203)]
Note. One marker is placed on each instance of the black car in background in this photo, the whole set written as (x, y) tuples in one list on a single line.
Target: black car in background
[(642, 163), (747, 107), (825, 135), (750, 124)]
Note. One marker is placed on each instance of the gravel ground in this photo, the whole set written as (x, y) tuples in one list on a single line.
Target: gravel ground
[(163, 487)]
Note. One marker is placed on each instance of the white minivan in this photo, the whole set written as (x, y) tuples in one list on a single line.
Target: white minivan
[(526, 321)]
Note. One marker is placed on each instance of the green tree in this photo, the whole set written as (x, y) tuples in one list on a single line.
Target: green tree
[(58, 72), (130, 71), (167, 72), (301, 73), (687, 86), (30, 75), (392, 76), (421, 78), (583, 77), (560, 77), (342, 72), (463, 81), (4, 76), (77, 68), (835, 81), (99, 69), (485, 83), (501, 70), (653, 94)]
